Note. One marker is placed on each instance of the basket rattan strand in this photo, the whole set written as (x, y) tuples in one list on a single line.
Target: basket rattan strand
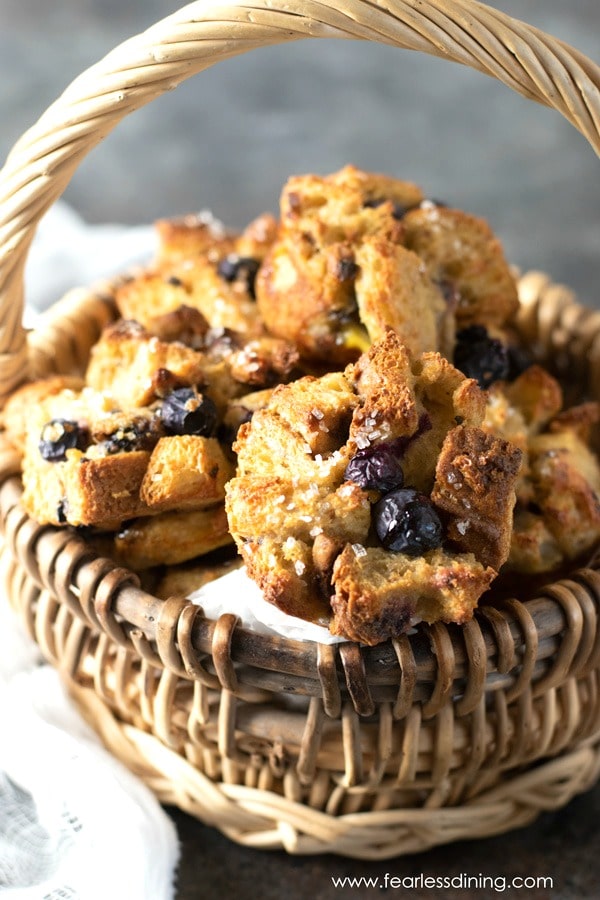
[(449, 733)]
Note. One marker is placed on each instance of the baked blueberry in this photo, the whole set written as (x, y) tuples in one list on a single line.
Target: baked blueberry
[(58, 436), (406, 522), (239, 268), (186, 411), (480, 356), (398, 209), (346, 269), (519, 360), (375, 469)]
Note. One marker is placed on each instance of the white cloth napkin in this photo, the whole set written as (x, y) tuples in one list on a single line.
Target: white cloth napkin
[(75, 824)]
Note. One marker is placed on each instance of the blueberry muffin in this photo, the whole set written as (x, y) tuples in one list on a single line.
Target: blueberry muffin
[(356, 253), (141, 446), (557, 515), (136, 367), (201, 267), (371, 498)]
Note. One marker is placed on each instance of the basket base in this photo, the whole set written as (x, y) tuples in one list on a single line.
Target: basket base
[(265, 820)]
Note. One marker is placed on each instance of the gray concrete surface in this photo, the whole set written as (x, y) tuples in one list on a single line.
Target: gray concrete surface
[(227, 140)]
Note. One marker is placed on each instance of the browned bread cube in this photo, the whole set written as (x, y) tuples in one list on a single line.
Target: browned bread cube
[(202, 267), (413, 401), (318, 468), (338, 275), (475, 489), (185, 471), (379, 594), (533, 549), (172, 537), (17, 411), (85, 491), (566, 481), (133, 367), (558, 490), (191, 236), (462, 251), (84, 464)]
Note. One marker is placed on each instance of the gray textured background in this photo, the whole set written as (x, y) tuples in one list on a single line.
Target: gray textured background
[(227, 140)]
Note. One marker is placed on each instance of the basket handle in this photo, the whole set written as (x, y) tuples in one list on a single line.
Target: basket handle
[(43, 161)]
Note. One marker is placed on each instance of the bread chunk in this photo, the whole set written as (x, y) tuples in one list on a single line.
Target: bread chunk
[(558, 488), (379, 594), (17, 411), (135, 368), (317, 469), (202, 267), (185, 471), (474, 487), (338, 274), (171, 537), (461, 249)]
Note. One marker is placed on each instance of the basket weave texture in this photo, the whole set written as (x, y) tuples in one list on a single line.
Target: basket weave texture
[(453, 732)]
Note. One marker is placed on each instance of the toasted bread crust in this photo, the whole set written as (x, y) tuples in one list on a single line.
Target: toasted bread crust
[(306, 533), (475, 490)]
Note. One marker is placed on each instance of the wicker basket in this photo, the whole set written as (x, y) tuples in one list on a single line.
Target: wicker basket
[(445, 734)]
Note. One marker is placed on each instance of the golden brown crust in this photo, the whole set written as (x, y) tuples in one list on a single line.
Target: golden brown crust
[(17, 411), (124, 467), (95, 484), (188, 272), (533, 548), (566, 481), (580, 419), (461, 249), (537, 396), (378, 594), (137, 368), (262, 362), (171, 537), (185, 471), (475, 490), (556, 518), (191, 236), (415, 401), (393, 290), (134, 367), (103, 491), (285, 575), (338, 275), (305, 532)]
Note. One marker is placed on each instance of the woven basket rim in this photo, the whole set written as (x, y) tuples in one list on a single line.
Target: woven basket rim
[(427, 656)]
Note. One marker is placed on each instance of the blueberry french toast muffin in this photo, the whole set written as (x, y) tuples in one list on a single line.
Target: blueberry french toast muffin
[(141, 446), (200, 266), (371, 498), (356, 253)]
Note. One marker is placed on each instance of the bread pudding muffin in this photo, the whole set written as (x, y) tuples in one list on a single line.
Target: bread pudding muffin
[(356, 253), (372, 498)]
